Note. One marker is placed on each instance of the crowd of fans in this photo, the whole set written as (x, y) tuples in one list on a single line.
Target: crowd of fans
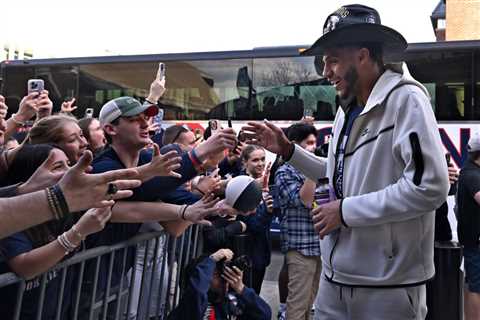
[(69, 185)]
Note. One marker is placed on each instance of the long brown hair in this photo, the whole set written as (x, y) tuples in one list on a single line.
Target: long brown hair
[(49, 129), (247, 150)]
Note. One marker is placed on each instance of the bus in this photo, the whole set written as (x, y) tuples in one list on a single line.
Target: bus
[(276, 83)]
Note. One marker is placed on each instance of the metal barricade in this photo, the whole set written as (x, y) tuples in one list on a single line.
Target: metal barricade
[(151, 292)]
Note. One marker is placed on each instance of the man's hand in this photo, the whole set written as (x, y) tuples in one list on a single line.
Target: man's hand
[(157, 88), (222, 253), (269, 136), (233, 276), (326, 218), (68, 106), (234, 155), (161, 165), (452, 174), (3, 108), (84, 191), (197, 212), (44, 105), (45, 176), (223, 139), (208, 184)]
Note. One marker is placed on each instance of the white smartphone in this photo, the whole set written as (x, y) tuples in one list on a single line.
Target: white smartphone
[(214, 126), (35, 85), (89, 113), (161, 70)]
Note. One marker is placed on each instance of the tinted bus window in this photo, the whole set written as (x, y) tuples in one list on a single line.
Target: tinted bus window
[(60, 81), (195, 89), (448, 78), (288, 88)]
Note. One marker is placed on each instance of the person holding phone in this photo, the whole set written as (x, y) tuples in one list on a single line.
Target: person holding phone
[(35, 103), (157, 89)]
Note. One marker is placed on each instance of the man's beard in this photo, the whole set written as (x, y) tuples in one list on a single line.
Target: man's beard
[(348, 94)]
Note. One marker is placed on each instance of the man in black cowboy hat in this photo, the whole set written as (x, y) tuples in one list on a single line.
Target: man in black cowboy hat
[(386, 165)]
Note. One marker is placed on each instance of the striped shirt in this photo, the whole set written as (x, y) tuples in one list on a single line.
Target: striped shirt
[(296, 226)]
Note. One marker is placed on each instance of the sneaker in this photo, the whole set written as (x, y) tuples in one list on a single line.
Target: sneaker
[(282, 315)]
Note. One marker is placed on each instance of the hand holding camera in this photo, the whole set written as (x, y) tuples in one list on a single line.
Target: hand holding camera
[(218, 255), (234, 277)]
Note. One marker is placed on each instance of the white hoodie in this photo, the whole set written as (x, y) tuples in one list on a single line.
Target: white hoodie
[(394, 177)]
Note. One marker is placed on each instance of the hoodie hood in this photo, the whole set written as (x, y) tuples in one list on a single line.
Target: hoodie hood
[(394, 76)]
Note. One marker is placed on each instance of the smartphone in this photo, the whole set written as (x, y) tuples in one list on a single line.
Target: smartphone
[(214, 126), (35, 85), (89, 113), (161, 70)]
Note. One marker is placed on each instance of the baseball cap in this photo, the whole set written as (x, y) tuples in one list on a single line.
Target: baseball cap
[(474, 142), (125, 107)]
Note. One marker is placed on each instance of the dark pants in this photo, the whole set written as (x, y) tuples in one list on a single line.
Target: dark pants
[(257, 279)]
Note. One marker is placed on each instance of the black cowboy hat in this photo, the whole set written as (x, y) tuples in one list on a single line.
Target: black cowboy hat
[(356, 24)]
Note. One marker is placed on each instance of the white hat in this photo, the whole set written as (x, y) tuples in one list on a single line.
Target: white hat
[(474, 142)]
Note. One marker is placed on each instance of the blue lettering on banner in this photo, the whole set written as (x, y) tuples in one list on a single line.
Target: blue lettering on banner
[(459, 156)]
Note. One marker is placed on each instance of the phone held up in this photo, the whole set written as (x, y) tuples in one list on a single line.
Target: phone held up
[(214, 126), (35, 85), (161, 70), (89, 113)]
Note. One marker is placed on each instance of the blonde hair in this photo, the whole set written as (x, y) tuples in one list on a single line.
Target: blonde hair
[(49, 129)]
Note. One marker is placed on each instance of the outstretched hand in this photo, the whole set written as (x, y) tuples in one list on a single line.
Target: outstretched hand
[(84, 191), (201, 209), (268, 136)]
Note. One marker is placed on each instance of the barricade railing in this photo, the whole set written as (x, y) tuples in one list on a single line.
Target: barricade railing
[(149, 289)]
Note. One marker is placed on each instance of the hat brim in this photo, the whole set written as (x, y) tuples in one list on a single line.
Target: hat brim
[(393, 42), (149, 110)]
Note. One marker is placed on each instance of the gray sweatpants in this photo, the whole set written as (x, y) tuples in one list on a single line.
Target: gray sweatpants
[(335, 302)]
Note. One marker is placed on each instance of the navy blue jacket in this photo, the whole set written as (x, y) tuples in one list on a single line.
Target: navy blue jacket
[(258, 227), (194, 301), (157, 188)]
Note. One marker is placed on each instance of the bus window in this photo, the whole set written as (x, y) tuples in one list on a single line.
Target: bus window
[(286, 87), (195, 89), (448, 77), (60, 81), (476, 107)]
